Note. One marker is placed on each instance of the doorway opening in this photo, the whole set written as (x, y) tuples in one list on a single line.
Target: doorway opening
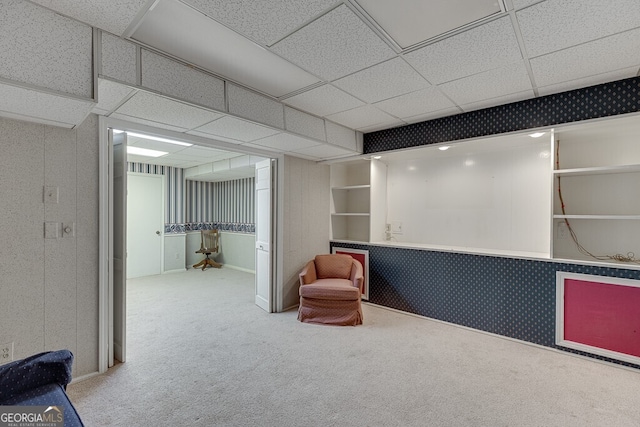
[(186, 177)]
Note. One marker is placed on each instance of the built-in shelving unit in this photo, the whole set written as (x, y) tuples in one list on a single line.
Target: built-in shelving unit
[(358, 200), (597, 170)]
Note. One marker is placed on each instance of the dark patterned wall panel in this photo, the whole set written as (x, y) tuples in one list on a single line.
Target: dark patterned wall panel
[(512, 297), (609, 99)]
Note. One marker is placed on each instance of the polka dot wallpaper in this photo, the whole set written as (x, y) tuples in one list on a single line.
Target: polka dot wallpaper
[(505, 296), (603, 100)]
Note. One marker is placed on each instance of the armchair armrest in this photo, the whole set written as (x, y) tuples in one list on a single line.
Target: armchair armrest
[(53, 367), (357, 276), (308, 274)]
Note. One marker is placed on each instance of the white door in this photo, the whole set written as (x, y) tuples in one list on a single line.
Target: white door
[(145, 224), (264, 235), (118, 264)]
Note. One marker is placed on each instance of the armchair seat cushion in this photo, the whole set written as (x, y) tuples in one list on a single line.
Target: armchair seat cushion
[(331, 289)]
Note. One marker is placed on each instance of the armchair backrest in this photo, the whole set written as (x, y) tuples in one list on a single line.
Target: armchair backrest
[(333, 266)]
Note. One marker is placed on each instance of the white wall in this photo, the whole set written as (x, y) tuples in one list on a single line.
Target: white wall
[(306, 220), (236, 250), (174, 252), (49, 287)]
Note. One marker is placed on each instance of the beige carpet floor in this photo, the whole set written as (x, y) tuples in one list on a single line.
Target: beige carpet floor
[(200, 353)]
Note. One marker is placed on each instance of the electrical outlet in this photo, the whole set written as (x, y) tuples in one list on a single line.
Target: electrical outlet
[(562, 230), (396, 227), (6, 353)]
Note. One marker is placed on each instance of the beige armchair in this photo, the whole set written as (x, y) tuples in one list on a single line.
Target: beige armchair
[(330, 290)]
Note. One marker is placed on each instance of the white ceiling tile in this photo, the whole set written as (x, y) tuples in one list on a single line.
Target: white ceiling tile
[(205, 154), (263, 21), (238, 129), (175, 79), (334, 45), (304, 124), (374, 128), (18, 102), (113, 15), (285, 142), (489, 84), (362, 117), (323, 100), (119, 59), (410, 22), (388, 79), (325, 151), (597, 57), (483, 48), (415, 103), (434, 115), (342, 136), (521, 4), (589, 81), (42, 48), (153, 107), (514, 97), (556, 24), (111, 94), (214, 137), (146, 122), (250, 105)]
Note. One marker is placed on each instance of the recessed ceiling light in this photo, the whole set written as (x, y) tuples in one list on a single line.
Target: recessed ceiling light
[(144, 151), (536, 134), (157, 138), (444, 148)]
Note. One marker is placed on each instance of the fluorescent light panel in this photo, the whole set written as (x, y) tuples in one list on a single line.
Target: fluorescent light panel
[(157, 138), (144, 151), (184, 32)]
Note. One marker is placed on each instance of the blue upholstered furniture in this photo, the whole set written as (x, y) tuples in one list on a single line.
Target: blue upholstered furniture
[(40, 380)]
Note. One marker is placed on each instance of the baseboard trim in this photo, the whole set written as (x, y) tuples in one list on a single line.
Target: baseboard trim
[(84, 377), (233, 267), (177, 270), (543, 347)]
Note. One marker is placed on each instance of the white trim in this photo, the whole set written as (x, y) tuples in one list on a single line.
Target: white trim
[(233, 267), (103, 243), (175, 270), (561, 276), (85, 377)]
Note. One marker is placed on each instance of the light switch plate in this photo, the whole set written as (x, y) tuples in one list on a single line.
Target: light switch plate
[(396, 227), (68, 229)]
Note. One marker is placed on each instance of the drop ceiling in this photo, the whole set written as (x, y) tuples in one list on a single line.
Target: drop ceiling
[(366, 64)]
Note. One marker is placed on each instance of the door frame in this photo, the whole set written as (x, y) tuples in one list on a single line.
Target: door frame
[(105, 243)]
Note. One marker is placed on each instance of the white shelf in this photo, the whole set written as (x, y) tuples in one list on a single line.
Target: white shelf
[(351, 214), (622, 217), (352, 187), (597, 170)]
